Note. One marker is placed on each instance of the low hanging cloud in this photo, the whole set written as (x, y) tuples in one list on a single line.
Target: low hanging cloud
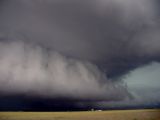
[(33, 70)]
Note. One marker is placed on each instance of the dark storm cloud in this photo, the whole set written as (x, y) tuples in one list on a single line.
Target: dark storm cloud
[(103, 31), (97, 30), (117, 35)]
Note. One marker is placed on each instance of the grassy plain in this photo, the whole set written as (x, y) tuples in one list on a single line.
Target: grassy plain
[(88, 115)]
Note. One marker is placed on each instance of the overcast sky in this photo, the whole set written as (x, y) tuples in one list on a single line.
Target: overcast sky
[(104, 51)]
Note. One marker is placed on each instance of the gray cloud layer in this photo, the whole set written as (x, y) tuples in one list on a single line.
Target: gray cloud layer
[(99, 30)]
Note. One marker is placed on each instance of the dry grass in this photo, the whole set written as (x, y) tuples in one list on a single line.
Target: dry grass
[(95, 115)]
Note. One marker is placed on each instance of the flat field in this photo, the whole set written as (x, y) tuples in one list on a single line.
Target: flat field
[(88, 115)]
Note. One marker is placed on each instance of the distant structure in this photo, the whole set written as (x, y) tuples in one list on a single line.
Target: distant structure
[(92, 109), (95, 110), (99, 110)]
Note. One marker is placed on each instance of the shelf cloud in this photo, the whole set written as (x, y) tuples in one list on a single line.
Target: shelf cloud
[(33, 70)]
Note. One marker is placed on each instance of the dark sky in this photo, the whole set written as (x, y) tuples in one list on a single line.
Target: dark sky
[(79, 54)]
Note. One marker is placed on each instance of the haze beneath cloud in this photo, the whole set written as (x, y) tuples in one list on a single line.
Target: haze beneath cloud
[(143, 83)]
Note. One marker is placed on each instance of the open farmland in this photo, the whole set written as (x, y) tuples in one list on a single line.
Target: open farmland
[(90, 115)]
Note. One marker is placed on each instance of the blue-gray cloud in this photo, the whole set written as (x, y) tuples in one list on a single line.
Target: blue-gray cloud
[(143, 83)]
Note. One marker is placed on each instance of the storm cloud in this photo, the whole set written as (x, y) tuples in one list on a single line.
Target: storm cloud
[(33, 70), (97, 30), (76, 49)]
